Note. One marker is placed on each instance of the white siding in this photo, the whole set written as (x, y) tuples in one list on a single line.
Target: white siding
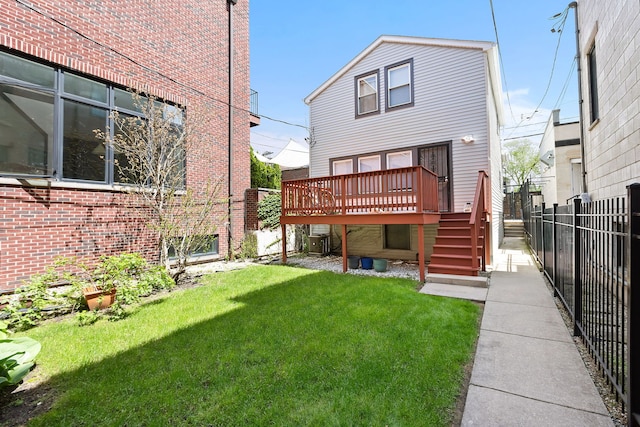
[(450, 92), (495, 176)]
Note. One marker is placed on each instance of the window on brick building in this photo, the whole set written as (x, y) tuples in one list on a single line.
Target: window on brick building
[(209, 246), (594, 109), (56, 139)]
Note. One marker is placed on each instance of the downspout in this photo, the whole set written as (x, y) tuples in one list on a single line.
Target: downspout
[(574, 6), (230, 4)]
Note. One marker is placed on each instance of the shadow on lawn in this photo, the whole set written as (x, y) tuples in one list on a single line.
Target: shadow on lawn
[(320, 348)]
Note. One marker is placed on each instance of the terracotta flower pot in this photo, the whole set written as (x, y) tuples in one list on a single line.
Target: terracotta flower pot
[(98, 299)]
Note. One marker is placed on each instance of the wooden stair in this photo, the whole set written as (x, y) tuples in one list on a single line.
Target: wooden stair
[(452, 251)]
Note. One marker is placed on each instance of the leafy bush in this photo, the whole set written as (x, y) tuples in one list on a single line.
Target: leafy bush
[(128, 273), (249, 247), (269, 211), (86, 318), (17, 357)]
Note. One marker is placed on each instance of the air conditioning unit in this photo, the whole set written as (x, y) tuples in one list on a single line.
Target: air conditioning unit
[(319, 245)]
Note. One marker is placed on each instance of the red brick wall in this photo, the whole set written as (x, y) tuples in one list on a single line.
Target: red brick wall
[(175, 50)]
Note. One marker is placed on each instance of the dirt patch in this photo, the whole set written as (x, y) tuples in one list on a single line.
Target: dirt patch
[(30, 399)]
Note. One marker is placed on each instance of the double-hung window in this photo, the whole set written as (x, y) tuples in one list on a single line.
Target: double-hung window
[(399, 84), (367, 99), (404, 180)]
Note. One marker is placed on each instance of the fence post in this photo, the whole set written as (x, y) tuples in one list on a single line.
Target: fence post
[(577, 285), (633, 309), (543, 257), (554, 249)]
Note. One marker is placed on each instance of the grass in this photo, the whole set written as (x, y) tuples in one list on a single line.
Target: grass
[(268, 345)]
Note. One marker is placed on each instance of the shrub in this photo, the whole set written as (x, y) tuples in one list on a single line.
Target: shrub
[(269, 211), (17, 357)]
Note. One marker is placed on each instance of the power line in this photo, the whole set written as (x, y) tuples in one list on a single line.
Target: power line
[(566, 83), (504, 75), (563, 19), (147, 68), (523, 136)]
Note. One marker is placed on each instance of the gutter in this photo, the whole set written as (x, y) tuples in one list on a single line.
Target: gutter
[(230, 4), (574, 5)]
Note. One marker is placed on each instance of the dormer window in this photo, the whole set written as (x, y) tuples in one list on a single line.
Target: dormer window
[(367, 99)]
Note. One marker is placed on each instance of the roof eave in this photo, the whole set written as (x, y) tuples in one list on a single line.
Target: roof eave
[(460, 44)]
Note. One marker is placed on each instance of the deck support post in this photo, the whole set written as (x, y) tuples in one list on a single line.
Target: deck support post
[(421, 252), (284, 243), (344, 248)]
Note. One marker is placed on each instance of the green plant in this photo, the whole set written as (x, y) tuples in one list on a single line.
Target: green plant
[(269, 211), (264, 175), (85, 318), (17, 357), (249, 246)]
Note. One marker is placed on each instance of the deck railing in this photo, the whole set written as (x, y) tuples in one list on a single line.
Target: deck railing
[(477, 221), (403, 190)]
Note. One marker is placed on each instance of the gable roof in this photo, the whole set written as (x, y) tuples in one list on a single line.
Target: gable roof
[(488, 47)]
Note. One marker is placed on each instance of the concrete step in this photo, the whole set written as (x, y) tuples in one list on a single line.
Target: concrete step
[(458, 280)]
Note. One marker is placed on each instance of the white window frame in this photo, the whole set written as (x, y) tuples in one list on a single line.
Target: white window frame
[(408, 64), (342, 162), (398, 153), (375, 87)]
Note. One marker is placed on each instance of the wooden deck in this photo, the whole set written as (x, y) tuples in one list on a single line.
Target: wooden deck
[(396, 196)]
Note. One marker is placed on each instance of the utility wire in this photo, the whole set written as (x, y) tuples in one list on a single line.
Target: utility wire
[(147, 68), (563, 92), (523, 136), (504, 75), (562, 19)]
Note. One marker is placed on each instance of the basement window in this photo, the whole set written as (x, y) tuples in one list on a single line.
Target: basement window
[(397, 236)]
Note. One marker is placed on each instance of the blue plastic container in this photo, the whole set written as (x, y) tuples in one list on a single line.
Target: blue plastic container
[(366, 263)]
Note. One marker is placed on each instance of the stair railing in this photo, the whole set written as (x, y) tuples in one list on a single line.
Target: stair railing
[(477, 221)]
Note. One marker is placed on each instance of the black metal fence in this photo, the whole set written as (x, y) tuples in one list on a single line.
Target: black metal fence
[(587, 251)]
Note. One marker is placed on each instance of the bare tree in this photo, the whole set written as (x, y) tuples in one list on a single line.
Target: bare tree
[(150, 153)]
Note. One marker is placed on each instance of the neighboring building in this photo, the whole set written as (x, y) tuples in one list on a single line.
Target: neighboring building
[(609, 36), (406, 102), (64, 67), (562, 162)]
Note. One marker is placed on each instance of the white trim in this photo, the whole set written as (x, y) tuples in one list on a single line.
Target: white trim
[(460, 44), (376, 156)]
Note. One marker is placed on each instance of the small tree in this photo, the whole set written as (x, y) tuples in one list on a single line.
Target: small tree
[(264, 175), (520, 161), (150, 154)]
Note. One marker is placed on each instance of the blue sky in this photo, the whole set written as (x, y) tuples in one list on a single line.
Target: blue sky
[(297, 45)]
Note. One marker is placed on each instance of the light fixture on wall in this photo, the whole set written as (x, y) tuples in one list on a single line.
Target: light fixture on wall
[(467, 139)]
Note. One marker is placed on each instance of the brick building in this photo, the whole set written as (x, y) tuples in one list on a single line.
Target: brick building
[(64, 66)]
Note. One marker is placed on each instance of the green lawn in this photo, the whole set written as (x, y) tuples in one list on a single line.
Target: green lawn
[(267, 345)]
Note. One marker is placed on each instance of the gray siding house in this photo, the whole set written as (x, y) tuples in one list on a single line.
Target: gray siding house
[(407, 102)]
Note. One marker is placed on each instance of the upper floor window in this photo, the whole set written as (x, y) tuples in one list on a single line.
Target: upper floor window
[(399, 84), (593, 84), (48, 119), (367, 99)]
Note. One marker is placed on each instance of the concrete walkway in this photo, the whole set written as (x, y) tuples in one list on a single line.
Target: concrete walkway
[(527, 370)]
